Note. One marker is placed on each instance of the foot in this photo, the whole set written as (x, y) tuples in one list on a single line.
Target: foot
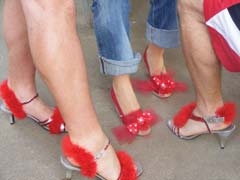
[(126, 98), (36, 108), (108, 165), (193, 127)]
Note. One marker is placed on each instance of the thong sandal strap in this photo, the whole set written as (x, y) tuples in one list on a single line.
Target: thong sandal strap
[(27, 102)]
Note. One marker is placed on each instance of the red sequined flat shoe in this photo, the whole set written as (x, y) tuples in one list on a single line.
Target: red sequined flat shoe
[(138, 122), (13, 106), (87, 162), (162, 85), (224, 114)]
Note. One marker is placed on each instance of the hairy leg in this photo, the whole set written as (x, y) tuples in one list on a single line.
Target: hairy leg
[(21, 70), (202, 64), (58, 56)]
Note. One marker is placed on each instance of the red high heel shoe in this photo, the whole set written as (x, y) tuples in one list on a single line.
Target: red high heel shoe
[(162, 85), (87, 163), (138, 122), (13, 106)]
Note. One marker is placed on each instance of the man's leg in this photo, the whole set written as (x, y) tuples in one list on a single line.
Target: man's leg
[(21, 70), (202, 64), (58, 56)]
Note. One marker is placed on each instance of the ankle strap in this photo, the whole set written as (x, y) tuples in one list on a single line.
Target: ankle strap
[(101, 153), (207, 120), (26, 102)]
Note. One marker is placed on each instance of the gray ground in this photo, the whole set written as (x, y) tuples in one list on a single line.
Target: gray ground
[(27, 152)]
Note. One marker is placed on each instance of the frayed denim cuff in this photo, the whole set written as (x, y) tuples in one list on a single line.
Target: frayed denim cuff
[(117, 67)]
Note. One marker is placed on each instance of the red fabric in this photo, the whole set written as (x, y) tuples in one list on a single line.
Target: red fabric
[(161, 84), (128, 169), (57, 121), (11, 101), (133, 123), (181, 118), (212, 7), (84, 159), (228, 111), (228, 57)]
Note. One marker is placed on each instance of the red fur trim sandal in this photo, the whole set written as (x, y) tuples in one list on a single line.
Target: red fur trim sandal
[(138, 122), (87, 163), (162, 85), (13, 106), (224, 114)]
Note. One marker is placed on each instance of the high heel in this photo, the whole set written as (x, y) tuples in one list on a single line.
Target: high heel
[(14, 107), (12, 117), (224, 114), (87, 163), (162, 85), (138, 122), (224, 135)]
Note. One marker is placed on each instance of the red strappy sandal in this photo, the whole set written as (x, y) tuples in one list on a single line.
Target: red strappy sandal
[(138, 122), (162, 85), (224, 114), (87, 164), (13, 106)]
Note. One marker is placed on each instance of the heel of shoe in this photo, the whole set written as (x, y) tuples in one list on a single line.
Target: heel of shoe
[(68, 167), (68, 174), (12, 119), (224, 135)]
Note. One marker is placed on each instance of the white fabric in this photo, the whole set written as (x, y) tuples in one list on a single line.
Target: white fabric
[(231, 34)]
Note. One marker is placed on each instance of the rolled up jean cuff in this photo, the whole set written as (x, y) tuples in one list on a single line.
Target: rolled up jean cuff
[(115, 68), (163, 38)]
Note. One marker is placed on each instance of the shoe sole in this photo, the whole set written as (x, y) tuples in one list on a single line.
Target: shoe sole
[(71, 167)]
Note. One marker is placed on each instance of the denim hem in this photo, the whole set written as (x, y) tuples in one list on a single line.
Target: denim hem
[(116, 67), (163, 38)]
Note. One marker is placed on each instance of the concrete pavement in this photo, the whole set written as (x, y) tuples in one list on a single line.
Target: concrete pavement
[(27, 152)]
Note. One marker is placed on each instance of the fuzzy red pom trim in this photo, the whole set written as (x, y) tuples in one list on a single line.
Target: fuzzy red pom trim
[(128, 169), (84, 159), (181, 118), (11, 101), (228, 111), (57, 121)]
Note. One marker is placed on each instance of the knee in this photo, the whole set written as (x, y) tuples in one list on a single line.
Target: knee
[(45, 10)]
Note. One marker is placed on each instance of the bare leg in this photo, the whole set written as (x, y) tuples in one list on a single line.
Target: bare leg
[(125, 93), (202, 64), (155, 59), (21, 78), (52, 34)]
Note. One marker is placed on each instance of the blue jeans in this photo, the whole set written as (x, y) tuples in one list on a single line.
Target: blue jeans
[(112, 29)]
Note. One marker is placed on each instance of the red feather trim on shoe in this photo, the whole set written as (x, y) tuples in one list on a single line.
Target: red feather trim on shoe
[(181, 118), (57, 121), (84, 159), (161, 84), (228, 111), (128, 169), (11, 101), (133, 123)]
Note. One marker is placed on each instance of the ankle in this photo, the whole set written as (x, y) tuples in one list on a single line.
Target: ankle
[(155, 59), (207, 109), (93, 142), (23, 92)]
